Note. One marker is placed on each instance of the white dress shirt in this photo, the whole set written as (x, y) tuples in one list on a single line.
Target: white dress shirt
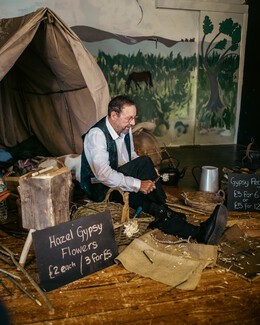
[(95, 148)]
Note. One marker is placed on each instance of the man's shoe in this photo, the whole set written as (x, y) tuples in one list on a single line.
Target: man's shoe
[(212, 229)]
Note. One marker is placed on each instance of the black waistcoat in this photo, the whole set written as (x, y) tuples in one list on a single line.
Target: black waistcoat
[(97, 191)]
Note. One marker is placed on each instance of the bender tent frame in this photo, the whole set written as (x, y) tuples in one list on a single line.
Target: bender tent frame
[(50, 85)]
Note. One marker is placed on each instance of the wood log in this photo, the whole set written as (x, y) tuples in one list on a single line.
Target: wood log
[(45, 198)]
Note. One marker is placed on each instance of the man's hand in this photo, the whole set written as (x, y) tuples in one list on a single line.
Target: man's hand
[(147, 186)]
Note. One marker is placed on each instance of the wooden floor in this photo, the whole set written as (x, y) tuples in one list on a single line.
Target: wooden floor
[(117, 296)]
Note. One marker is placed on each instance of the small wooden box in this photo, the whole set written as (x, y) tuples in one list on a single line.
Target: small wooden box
[(45, 198), (12, 182)]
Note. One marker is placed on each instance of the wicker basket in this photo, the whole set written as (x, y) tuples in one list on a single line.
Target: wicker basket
[(126, 227), (203, 201)]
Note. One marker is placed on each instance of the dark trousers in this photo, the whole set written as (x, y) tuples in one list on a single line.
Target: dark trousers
[(143, 169), (167, 220)]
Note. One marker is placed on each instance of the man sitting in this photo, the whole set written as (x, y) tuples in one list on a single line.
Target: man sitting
[(109, 160)]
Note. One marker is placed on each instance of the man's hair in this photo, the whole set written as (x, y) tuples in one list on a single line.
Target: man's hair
[(116, 104)]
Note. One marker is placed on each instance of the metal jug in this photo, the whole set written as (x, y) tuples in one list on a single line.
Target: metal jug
[(209, 178)]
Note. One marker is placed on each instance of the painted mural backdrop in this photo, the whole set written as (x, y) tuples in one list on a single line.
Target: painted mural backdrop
[(158, 73), (188, 89), (161, 86), (217, 80), (182, 66)]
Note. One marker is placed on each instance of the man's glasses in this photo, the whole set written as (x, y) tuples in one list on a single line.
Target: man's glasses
[(130, 118)]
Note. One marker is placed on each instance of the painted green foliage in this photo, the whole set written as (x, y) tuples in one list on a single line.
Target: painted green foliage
[(218, 64), (169, 94)]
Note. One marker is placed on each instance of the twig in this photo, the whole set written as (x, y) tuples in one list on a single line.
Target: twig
[(132, 277), (5, 259), (170, 290), (5, 287), (4, 252), (29, 294), (148, 257), (41, 171), (10, 274), (174, 205), (45, 298)]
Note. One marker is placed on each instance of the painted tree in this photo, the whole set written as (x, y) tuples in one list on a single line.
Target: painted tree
[(224, 48)]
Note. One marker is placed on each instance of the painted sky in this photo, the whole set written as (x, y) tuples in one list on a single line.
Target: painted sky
[(117, 16), (124, 17), (113, 47)]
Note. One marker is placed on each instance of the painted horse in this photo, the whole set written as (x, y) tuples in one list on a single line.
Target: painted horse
[(138, 77)]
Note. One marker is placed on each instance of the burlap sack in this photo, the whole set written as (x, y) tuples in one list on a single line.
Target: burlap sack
[(177, 264)]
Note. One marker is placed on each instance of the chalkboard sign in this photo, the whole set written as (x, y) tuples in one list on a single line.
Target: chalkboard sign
[(71, 250), (243, 192)]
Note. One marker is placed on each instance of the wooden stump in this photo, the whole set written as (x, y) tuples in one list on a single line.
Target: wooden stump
[(45, 198)]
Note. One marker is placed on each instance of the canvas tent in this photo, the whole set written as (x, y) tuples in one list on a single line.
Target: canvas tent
[(50, 85)]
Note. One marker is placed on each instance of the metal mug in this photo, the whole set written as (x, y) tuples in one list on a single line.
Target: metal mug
[(209, 178)]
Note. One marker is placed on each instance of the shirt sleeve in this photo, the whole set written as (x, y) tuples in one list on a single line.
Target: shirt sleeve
[(95, 149)]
